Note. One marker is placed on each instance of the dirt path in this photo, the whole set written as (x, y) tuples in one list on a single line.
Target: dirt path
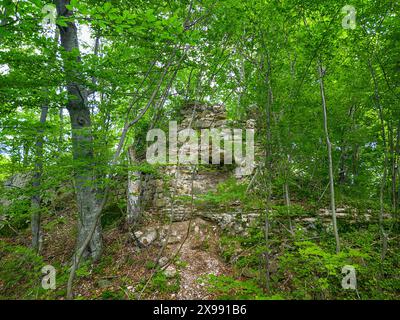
[(199, 256)]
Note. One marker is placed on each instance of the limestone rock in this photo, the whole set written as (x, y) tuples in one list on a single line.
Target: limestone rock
[(148, 237), (170, 271), (163, 261)]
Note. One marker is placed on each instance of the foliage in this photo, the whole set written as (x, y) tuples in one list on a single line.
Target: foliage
[(137, 64), (161, 283), (230, 289), (21, 276), (227, 193), (305, 269)]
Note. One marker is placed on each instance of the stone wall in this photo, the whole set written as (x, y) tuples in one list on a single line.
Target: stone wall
[(181, 185), (173, 193)]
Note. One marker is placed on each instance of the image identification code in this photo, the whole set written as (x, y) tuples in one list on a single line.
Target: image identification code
[(201, 309)]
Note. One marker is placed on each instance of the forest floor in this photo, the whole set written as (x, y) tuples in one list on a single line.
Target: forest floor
[(200, 251), (178, 258), (126, 271), (191, 254)]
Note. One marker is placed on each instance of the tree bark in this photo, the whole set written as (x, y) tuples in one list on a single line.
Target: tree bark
[(393, 167), (133, 192), (37, 177), (82, 139), (36, 182), (384, 236), (268, 158), (397, 167), (329, 146)]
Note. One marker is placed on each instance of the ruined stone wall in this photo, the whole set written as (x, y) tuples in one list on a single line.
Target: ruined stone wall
[(180, 185), (173, 192)]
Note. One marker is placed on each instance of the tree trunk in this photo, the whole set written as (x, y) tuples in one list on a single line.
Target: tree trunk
[(384, 236), (61, 134), (394, 146), (37, 177), (82, 140), (133, 196), (329, 146), (268, 159), (393, 166), (397, 167), (342, 163), (287, 202)]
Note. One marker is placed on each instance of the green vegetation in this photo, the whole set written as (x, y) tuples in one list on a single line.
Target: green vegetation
[(82, 83), (304, 267)]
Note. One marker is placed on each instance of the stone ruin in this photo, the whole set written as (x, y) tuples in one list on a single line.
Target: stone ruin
[(172, 195)]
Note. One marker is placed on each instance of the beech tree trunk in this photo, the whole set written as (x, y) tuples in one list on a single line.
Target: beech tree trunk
[(133, 192), (397, 168), (36, 182), (37, 177), (82, 139), (329, 146), (384, 236)]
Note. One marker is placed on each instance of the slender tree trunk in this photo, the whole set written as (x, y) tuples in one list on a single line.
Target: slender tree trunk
[(391, 159), (385, 164), (133, 191), (61, 134), (288, 154), (94, 80), (329, 146), (25, 149), (353, 147), (393, 167), (82, 139), (269, 173), (37, 177), (267, 256), (397, 167), (345, 149), (287, 195)]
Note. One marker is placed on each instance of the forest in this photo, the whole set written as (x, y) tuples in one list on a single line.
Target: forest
[(200, 150)]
